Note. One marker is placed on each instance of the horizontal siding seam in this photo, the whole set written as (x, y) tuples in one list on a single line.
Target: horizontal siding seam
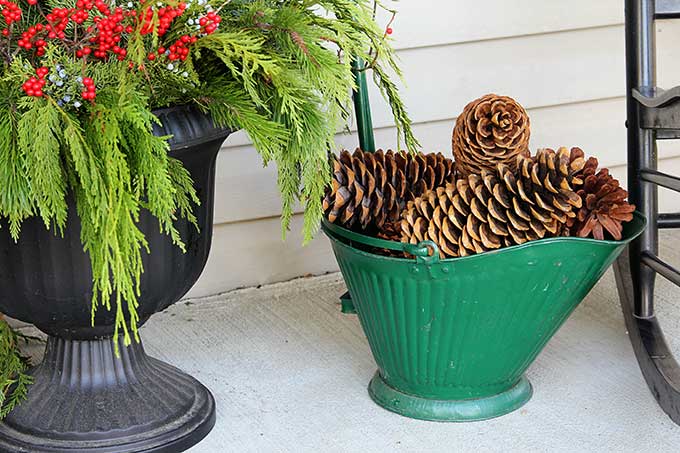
[(297, 212), (507, 37)]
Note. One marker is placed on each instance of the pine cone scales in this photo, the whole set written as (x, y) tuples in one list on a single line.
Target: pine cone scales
[(604, 207), (371, 189), (491, 130), (498, 208)]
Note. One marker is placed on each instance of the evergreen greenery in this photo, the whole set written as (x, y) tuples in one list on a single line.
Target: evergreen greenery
[(14, 381), (279, 69)]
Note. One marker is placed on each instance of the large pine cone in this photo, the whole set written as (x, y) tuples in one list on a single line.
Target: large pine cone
[(498, 208), (491, 130), (369, 190), (571, 165), (604, 207), (577, 157)]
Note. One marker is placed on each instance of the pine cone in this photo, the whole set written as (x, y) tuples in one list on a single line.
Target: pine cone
[(390, 231), (568, 168), (491, 130), (604, 207), (371, 189), (497, 208), (577, 160)]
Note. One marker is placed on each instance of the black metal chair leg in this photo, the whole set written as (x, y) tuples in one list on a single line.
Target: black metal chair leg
[(653, 114), (658, 366)]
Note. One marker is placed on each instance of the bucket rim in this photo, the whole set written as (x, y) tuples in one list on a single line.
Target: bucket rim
[(423, 251)]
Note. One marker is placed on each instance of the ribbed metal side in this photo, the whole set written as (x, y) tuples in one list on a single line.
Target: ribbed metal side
[(86, 399), (467, 328)]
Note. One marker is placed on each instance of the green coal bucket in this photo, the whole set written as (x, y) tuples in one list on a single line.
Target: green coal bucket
[(452, 338)]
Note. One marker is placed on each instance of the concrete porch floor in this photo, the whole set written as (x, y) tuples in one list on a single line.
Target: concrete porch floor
[(289, 373)]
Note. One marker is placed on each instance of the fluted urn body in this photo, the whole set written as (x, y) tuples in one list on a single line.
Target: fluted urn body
[(85, 398)]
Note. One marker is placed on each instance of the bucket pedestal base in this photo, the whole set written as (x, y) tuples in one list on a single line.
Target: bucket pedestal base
[(449, 410), (85, 399)]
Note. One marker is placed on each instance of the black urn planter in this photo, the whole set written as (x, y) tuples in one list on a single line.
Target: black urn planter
[(84, 398)]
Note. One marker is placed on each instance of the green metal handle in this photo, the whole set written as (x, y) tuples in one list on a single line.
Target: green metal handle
[(426, 252), (362, 107), (362, 110)]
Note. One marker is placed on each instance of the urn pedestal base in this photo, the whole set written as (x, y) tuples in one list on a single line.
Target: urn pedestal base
[(432, 409), (85, 399)]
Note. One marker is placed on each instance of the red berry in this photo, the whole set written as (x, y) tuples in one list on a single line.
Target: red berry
[(389, 30)]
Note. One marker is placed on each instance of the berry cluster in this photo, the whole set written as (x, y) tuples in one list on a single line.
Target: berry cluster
[(165, 17), (62, 87), (57, 20), (58, 76), (180, 50), (210, 22), (81, 13), (34, 85), (59, 83), (10, 11), (80, 53), (100, 29), (109, 29), (102, 7), (90, 92), (26, 40), (106, 31)]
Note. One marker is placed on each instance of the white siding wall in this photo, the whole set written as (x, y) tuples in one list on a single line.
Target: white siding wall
[(563, 60)]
